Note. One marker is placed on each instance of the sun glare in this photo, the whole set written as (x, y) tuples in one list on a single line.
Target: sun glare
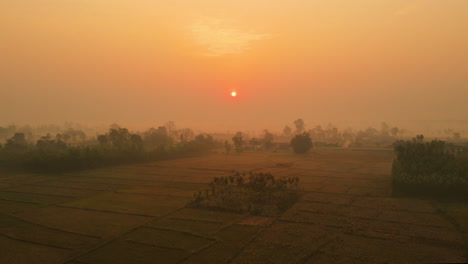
[(233, 94)]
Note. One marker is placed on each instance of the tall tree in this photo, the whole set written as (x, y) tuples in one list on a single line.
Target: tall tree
[(237, 141), (287, 131), (299, 123), (267, 139), (18, 141)]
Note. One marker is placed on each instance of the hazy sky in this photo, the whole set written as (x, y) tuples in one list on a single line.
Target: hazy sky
[(143, 62)]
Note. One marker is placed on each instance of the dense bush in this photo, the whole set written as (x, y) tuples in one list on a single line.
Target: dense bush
[(257, 193), (430, 167), (301, 143)]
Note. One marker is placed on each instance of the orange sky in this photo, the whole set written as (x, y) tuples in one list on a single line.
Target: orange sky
[(143, 62)]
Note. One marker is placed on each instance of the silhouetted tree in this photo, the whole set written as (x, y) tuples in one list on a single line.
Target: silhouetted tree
[(121, 139), (200, 144), (348, 137), (47, 143), (419, 138), (172, 129), (155, 138), (18, 141), (227, 146), (299, 123), (301, 143), (186, 134), (268, 139), (384, 129), (369, 136), (73, 135), (287, 131), (118, 137), (394, 131), (238, 143), (136, 143), (102, 139)]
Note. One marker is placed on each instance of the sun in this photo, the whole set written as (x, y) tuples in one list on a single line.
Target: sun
[(233, 94)]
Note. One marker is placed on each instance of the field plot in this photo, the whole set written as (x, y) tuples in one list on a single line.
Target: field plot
[(138, 214)]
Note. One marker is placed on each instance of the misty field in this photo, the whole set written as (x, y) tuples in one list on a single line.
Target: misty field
[(139, 214)]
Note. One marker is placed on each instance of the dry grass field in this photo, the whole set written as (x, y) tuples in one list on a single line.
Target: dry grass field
[(138, 214)]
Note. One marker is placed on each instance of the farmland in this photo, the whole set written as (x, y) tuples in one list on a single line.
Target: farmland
[(138, 214)]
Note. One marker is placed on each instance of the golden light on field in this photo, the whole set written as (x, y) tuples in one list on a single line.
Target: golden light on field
[(233, 94)]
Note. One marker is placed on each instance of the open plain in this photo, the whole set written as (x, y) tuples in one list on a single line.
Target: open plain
[(138, 214)]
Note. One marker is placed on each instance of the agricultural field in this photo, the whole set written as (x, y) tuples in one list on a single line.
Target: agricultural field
[(138, 214)]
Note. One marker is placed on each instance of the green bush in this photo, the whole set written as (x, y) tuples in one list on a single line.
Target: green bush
[(434, 167), (256, 193)]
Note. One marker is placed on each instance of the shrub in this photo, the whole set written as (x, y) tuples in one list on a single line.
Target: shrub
[(301, 143), (257, 193)]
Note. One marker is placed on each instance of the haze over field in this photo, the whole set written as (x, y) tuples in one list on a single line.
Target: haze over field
[(139, 62)]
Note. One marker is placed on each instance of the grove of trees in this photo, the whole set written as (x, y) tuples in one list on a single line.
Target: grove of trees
[(69, 151), (433, 168)]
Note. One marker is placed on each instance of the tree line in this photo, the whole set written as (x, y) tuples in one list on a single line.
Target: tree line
[(118, 145)]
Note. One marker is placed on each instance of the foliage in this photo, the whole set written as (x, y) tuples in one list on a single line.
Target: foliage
[(331, 136), (73, 135), (431, 167), (121, 139), (268, 139), (301, 143), (299, 123), (46, 143), (186, 134), (287, 131), (257, 193), (118, 146), (227, 147), (17, 142), (201, 143), (157, 138), (238, 143)]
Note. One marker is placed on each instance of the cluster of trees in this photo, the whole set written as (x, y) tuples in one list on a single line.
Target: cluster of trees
[(120, 139), (239, 144), (70, 134), (118, 145), (301, 143), (333, 137), (434, 167)]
